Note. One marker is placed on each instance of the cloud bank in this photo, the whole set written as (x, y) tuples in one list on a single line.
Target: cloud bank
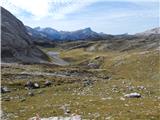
[(44, 8), (56, 9)]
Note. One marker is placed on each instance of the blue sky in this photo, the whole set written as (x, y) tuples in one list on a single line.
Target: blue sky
[(108, 16)]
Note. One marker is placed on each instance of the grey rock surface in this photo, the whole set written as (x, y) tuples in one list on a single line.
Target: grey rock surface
[(16, 44), (76, 117), (153, 31)]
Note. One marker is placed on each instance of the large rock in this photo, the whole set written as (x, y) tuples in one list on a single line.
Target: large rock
[(16, 44), (76, 117)]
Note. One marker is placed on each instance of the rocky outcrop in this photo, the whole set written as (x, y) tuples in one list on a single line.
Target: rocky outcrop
[(16, 44), (154, 31)]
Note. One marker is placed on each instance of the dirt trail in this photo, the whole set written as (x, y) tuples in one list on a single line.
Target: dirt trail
[(56, 59), (46, 74)]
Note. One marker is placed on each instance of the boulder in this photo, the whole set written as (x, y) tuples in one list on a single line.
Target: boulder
[(133, 95)]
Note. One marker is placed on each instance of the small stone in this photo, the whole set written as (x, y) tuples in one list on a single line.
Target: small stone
[(40, 92), (130, 88), (76, 117), (87, 83), (103, 98), (122, 98), (48, 83), (114, 89), (106, 77), (36, 85), (31, 94), (7, 99), (141, 87), (123, 82), (126, 105), (108, 118), (31, 85), (23, 99), (5, 89), (109, 98), (158, 98), (93, 65), (133, 95), (68, 111)]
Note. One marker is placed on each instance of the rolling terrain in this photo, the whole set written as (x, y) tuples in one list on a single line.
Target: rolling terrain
[(93, 86), (90, 78)]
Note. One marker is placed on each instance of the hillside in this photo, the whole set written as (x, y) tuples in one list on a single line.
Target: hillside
[(16, 44), (115, 43), (154, 31)]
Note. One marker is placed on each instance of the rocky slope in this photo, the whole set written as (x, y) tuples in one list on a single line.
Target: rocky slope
[(154, 31), (16, 44), (116, 43)]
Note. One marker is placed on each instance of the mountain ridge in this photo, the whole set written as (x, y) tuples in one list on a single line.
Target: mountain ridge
[(82, 34), (53, 34)]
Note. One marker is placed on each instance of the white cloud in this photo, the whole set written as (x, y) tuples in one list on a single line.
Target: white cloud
[(56, 9), (34, 7), (62, 9), (44, 8)]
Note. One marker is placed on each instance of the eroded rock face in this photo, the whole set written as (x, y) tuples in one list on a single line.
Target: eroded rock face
[(16, 44)]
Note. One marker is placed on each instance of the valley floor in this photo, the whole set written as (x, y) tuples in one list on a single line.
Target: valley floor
[(93, 85)]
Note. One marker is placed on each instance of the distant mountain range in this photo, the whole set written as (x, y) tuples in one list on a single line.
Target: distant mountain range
[(50, 34), (54, 35)]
